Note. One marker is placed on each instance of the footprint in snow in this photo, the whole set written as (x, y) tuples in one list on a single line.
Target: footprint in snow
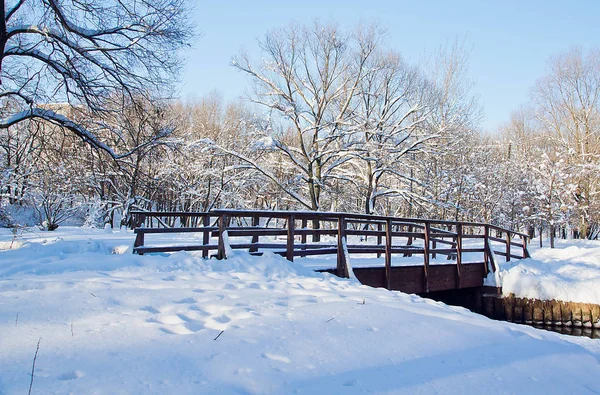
[(150, 309), (75, 374), (186, 301)]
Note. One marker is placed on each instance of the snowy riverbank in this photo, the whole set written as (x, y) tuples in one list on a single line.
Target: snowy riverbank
[(114, 323), (570, 272)]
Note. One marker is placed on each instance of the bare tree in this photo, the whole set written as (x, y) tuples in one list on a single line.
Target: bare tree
[(86, 53), (393, 103), (308, 81)]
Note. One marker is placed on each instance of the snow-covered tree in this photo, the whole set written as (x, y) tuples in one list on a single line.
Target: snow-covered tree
[(393, 103), (307, 82), (86, 53)]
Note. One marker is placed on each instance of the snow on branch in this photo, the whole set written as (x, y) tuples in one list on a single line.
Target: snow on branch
[(64, 122)]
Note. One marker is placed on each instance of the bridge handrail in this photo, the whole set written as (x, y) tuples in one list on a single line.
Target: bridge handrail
[(320, 215)]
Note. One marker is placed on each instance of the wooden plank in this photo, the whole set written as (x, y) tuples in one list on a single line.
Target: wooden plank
[(459, 251), (291, 223), (473, 250), (486, 246), (375, 250), (373, 277), (145, 250), (497, 239), (205, 235), (437, 232), (443, 251), (379, 236), (388, 254), (507, 246), (139, 240), (322, 251), (255, 238), (441, 241), (472, 274), (410, 239), (441, 278), (314, 246), (351, 220), (257, 232), (175, 230), (473, 236), (426, 256), (365, 232), (414, 223), (221, 254), (304, 227), (239, 246)]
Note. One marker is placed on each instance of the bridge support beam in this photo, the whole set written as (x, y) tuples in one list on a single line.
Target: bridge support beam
[(342, 264), (289, 252), (388, 254), (221, 253), (459, 230), (426, 236)]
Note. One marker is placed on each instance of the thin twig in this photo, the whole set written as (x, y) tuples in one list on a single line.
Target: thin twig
[(331, 319), (219, 335), (93, 294), (72, 331), (17, 319), (33, 365)]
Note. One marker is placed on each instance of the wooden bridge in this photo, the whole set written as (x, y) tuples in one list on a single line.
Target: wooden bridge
[(301, 234)]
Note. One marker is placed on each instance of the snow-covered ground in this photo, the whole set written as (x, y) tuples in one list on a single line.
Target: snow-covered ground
[(570, 272), (114, 323)]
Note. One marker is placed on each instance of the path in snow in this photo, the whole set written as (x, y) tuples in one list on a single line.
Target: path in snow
[(119, 323)]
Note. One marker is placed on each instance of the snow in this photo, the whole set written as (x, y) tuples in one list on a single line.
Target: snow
[(116, 323), (570, 272)]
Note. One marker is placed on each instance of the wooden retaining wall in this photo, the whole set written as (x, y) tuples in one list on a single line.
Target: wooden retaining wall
[(541, 312)]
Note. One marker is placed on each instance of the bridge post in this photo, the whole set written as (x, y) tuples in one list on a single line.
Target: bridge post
[(459, 233), (379, 238), (289, 252), (507, 246), (388, 254), (409, 240), (255, 223), (486, 253), (342, 265), (205, 235), (139, 240), (138, 220), (316, 224), (304, 226), (221, 254), (426, 236)]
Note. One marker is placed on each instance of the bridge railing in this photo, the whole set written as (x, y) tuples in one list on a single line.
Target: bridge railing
[(300, 234)]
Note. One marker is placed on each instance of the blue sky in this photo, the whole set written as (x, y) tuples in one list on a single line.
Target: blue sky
[(510, 41)]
